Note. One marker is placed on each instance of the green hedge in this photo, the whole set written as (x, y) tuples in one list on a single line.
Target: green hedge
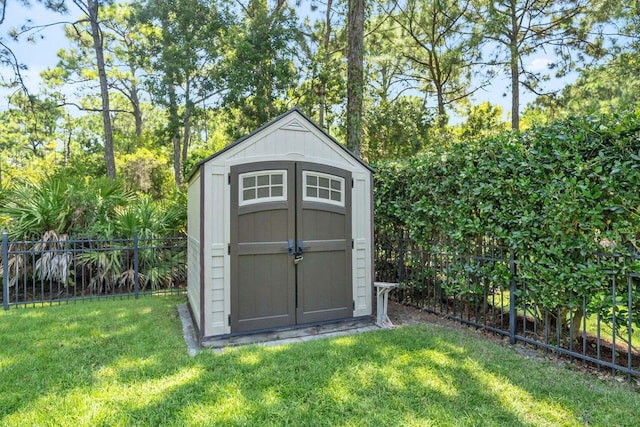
[(556, 195)]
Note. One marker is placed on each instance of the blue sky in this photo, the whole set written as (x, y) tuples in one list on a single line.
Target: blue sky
[(42, 54)]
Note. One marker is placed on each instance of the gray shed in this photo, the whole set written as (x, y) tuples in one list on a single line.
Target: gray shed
[(279, 232)]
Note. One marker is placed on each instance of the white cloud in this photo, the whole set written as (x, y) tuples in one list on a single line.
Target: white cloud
[(539, 64)]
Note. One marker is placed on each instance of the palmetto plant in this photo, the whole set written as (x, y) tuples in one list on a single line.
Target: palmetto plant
[(54, 260), (58, 206), (103, 266), (63, 204), (15, 264), (162, 268)]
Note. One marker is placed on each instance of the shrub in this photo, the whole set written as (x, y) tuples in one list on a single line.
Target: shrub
[(556, 194)]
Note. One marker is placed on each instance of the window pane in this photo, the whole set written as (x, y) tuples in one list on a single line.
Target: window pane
[(335, 185), (323, 182), (312, 192), (335, 196), (263, 192), (249, 194), (312, 180), (276, 191), (263, 180), (249, 182), (276, 179), (323, 193)]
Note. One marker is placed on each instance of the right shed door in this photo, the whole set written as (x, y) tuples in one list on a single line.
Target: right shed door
[(323, 224)]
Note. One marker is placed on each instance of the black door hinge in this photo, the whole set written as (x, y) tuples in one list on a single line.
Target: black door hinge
[(354, 304), (228, 248), (229, 320), (352, 183), (228, 179)]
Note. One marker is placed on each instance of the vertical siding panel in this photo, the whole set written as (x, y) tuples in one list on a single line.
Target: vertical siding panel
[(193, 248), (362, 245), (216, 247)]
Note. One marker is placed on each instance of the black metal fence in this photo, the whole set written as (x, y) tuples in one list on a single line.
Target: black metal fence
[(487, 287), (57, 269)]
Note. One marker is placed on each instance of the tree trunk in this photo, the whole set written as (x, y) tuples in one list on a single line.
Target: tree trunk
[(177, 168), (442, 114), (515, 69), (137, 112), (96, 34), (67, 149), (323, 82), (186, 133), (174, 131), (355, 75)]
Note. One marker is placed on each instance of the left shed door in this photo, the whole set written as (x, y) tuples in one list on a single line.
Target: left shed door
[(262, 291)]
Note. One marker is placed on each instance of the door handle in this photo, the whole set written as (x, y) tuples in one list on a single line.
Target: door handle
[(291, 248)]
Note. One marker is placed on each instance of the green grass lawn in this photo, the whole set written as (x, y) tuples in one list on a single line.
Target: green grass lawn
[(124, 363)]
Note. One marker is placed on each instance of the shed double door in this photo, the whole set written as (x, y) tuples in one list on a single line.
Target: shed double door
[(290, 245)]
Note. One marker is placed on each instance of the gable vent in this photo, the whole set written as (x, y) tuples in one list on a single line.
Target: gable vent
[(295, 125)]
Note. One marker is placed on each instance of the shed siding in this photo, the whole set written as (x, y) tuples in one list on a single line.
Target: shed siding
[(362, 244), (216, 217), (294, 145), (193, 248)]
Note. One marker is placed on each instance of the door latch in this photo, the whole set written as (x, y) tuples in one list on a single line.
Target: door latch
[(297, 258)]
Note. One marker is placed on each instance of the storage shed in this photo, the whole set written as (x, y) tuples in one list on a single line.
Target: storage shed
[(280, 230)]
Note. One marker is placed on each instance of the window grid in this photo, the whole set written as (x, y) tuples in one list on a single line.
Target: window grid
[(262, 186), (323, 188)]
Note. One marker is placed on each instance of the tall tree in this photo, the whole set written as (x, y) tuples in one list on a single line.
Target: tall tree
[(126, 39), (324, 75), (517, 29), (397, 128), (30, 134), (442, 47), (121, 41), (265, 37), (598, 89), (91, 8), (185, 42), (355, 74)]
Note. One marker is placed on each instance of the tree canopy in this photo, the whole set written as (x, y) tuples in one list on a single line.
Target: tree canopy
[(174, 80)]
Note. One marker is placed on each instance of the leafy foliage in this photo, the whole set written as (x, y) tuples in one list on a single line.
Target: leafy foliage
[(396, 129), (88, 208), (556, 195)]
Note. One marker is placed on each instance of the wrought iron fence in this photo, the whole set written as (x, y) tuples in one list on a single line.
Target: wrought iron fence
[(488, 287), (57, 269)]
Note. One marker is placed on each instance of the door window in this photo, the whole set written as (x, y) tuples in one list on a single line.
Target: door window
[(322, 187), (263, 186)]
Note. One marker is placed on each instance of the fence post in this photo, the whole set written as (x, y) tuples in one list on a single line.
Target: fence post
[(400, 266), (512, 297), (5, 270), (136, 285)]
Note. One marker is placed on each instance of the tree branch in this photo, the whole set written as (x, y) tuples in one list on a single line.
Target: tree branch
[(95, 110)]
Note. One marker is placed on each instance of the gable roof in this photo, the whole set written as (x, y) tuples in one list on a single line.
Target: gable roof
[(272, 123)]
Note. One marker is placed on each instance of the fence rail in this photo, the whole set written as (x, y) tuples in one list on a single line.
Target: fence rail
[(56, 269), (486, 287)]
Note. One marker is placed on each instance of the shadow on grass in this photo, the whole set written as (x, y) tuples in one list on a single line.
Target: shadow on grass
[(127, 365)]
